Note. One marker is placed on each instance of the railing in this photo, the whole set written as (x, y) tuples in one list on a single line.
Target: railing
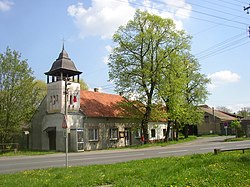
[(217, 151), (7, 147)]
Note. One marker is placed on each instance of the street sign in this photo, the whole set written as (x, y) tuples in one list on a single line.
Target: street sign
[(64, 123)]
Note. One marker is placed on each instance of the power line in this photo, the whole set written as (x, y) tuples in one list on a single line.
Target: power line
[(214, 47), (223, 12), (198, 12), (225, 50), (229, 3)]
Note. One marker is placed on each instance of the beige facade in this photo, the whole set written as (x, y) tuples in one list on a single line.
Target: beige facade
[(215, 122)]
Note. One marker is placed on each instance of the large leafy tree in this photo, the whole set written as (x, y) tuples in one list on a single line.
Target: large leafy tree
[(244, 112), (17, 94), (144, 48)]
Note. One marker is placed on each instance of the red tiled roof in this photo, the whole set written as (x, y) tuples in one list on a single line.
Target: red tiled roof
[(96, 104)]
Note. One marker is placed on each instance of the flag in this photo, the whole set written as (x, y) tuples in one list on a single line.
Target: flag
[(75, 99)]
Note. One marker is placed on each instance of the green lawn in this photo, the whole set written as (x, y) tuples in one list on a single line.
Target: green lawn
[(31, 153), (236, 139), (224, 169), (26, 153)]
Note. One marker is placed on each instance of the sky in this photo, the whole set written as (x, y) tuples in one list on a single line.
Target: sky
[(221, 43)]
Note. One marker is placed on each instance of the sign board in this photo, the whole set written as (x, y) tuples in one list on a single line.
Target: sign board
[(64, 123)]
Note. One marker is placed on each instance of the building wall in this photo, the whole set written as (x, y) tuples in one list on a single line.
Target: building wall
[(210, 125), (36, 126), (126, 133), (158, 128)]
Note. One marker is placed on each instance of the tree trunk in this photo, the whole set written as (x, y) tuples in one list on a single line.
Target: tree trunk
[(185, 131), (167, 133), (144, 124), (176, 131)]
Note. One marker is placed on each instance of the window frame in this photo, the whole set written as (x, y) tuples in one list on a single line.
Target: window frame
[(153, 130), (93, 134), (113, 133)]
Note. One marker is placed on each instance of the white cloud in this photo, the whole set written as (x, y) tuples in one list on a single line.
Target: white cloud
[(104, 17), (5, 5), (222, 77), (106, 58)]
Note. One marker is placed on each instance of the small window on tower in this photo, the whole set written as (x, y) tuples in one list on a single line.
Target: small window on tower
[(54, 100)]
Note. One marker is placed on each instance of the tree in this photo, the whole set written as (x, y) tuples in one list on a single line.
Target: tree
[(83, 85), (145, 46), (244, 112), (17, 94), (40, 87), (237, 126), (195, 93), (224, 109)]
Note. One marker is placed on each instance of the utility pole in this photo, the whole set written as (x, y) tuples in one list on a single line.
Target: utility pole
[(247, 9), (67, 126)]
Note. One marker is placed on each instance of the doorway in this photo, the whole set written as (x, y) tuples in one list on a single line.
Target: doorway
[(52, 140), (127, 136)]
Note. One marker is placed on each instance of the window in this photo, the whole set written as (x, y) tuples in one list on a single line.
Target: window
[(152, 133), (93, 134), (138, 133), (113, 134), (206, 118)]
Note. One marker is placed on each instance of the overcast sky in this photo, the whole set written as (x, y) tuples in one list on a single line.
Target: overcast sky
[(219, 29)]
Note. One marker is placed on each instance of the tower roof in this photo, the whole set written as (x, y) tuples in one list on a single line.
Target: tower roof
[(63, 64)]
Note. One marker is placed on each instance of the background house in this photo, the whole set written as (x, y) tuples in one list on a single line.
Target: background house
[(215, 122)]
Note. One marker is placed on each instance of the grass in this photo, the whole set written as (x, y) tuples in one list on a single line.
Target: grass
[(26, 153), (236, 139), (32, 153), (181, 140), (225, 169)]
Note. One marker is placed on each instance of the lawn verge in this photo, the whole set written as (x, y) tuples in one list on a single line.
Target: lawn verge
[(226, 169)]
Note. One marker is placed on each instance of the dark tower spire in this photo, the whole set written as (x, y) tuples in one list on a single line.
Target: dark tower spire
[(62, 68)]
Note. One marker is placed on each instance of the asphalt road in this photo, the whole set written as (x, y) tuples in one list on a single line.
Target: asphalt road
[(201, 145)]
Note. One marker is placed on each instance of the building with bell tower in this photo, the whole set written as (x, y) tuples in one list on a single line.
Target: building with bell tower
[(94, 120), (63, 81)]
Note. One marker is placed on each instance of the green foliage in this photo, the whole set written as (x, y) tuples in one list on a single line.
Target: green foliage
[(244, 112), (40, 87), (17, 94), (226, 169), (152, 60), (235, 124), (83, 85)]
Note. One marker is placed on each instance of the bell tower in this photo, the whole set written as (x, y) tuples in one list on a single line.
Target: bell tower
[(63, 81)]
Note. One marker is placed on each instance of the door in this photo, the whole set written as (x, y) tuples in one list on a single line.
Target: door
[(127, 136), (80, 140), (52, 140)]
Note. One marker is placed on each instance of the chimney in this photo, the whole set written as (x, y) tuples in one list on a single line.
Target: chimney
[(96, 89), (121, 93)]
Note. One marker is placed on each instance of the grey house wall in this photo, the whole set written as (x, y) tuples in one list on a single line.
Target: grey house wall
[(210, 125), (104, 125), (42, 122)]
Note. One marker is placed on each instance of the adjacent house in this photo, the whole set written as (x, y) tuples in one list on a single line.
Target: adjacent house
[(91, 119), (215, 121)]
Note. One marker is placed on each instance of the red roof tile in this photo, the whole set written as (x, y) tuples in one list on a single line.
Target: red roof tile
[(96, 104)]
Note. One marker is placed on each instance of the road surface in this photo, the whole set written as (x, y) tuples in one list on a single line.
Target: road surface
[(201, 145)]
